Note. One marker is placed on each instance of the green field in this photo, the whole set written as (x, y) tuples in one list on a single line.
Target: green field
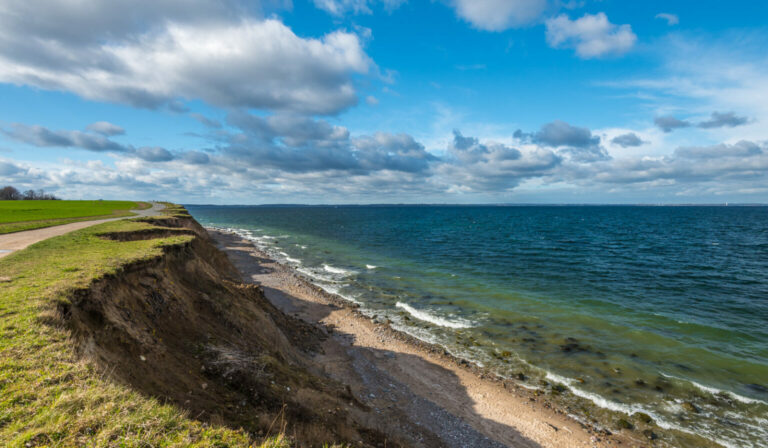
[(16, 216)]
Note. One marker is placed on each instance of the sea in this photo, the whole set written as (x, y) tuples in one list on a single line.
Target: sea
[(622, 312)]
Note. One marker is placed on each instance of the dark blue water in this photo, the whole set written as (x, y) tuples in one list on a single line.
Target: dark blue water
[(658, 310)]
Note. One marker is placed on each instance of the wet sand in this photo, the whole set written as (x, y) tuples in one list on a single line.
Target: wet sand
[(415, 391)]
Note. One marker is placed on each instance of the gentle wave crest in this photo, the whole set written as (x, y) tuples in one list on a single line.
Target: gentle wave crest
[(339, 271), (433, 319)]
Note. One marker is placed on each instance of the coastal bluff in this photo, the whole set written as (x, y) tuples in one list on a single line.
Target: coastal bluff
[(182, 328)]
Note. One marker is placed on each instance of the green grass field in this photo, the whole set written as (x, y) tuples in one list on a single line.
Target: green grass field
[(16, 216)]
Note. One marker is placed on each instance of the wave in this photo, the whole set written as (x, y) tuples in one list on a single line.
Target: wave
[(431, 318), (630, 409), (317, 276), (289, 259), (370, 266), (339, 271), (336, 290), (716, 391)]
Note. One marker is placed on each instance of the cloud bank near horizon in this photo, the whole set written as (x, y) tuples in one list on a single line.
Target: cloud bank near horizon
[(280, 99)]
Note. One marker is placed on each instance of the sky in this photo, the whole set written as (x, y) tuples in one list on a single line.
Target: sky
[(386, 101)]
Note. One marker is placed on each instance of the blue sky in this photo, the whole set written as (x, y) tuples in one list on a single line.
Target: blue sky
[(380, 101)]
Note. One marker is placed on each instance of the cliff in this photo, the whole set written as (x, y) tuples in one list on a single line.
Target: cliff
[(140, 333)]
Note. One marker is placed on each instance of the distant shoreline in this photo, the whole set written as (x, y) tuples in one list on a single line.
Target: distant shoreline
[(724, 204)]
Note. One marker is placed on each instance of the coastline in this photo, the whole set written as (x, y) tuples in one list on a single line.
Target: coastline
[(410, 385)]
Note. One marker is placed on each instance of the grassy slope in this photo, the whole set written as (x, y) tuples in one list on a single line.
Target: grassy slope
[(16, 216), (50, 398)]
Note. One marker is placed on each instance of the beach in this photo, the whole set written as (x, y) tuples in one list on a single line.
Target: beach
[(412, 388)]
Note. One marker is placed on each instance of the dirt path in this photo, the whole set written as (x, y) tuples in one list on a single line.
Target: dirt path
[(415, 391), (12, 242)]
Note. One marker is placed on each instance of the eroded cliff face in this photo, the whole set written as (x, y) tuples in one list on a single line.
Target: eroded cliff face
[(183, 328)]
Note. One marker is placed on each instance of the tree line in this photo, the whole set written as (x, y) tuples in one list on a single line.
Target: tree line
[(10, 193)]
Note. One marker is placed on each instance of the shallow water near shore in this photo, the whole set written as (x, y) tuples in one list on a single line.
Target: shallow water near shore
[(658, 310)]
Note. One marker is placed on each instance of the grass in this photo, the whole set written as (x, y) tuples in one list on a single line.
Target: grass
[(48, 397), (16, 216)]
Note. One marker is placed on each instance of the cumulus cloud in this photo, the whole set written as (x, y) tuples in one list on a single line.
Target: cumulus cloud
[(298, 144), (205, 121), (560, 133), (44, 137), (498, 15), (92, 140), (591, 36), (341, 7), (471, 166), (154, 154), (740, 149), (669, 123), (168, 51), (671, 19), (380, 166), (628, 140), (196, 158), (719, 120), (10, 169), (105, 128), (579, 144)]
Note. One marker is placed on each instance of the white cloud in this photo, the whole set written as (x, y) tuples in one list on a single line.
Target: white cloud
[(176, 54), (341, 7), (105, 128), (671, 19), (498, 15), (699, 75), (591, 35)]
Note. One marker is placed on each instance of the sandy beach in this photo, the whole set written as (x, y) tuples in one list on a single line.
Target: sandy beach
[(415, 391)]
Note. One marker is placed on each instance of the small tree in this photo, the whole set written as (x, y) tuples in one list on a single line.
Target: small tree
[(9, 193)]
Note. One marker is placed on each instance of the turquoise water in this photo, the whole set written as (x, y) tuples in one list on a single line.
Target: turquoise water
[(660, 310)]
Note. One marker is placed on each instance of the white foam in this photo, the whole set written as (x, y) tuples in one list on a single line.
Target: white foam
[(716, 391), (315, 275), (370, 266), (334, 289), (431, 318), (293, 260), (335, 270), (630, 409)]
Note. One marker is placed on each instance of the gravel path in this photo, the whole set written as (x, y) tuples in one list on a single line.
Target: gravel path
[(12, 242)]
